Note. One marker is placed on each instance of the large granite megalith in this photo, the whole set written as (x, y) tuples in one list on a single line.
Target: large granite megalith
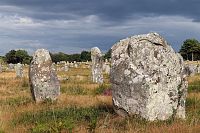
[(97, 65), (43, 79), (148, 78)]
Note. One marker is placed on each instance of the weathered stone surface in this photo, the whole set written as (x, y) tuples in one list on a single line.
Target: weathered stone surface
[(43, 78), (192, 69), (19, 70), (11, 66), (198, 68), (148, 78), (71, 65), (106, 68), (66, 68), (1, 68), (75, 65), (97, 65), (63, 66)]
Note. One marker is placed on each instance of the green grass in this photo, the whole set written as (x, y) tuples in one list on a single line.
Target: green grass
[(1, 131), (193, 111), (74, 90), (194, 86), (56, 120), (18, 101), (192, 103), (99, 90), (25, 82)]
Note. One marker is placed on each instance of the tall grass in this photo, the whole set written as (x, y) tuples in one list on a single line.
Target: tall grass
[(18, 113), (56, 120)]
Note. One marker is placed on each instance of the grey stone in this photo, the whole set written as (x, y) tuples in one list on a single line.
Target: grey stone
[(1, 68), (148, 78), (192, 69), (66, 67), (19, 70), (75, 65), (106, 68), (11, 67), (43, 78), (71, 65), (97, 65), (198, 68), (106, 60)]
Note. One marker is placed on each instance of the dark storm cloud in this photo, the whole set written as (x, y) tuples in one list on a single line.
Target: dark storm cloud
[(110, 10), (75, 25)]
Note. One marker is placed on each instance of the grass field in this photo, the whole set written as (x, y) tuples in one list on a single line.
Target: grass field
[(82, 107)]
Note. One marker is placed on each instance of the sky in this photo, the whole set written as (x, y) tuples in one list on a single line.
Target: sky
[(71, 26)]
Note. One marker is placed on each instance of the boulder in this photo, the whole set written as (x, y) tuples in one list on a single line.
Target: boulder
[(148, 78)]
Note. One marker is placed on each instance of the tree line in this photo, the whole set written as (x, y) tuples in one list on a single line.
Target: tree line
[(190, 50), (22, 56)]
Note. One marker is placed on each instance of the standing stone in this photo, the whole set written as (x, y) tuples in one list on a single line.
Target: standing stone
[(191, 69), (107, 69), (106, 60), (1, 68), (71, 65), (148, 78), (97, 65), (66, 67), (198, 68), (54, 66), (43, 78), (19, 70), (11, 66), (75, 65)]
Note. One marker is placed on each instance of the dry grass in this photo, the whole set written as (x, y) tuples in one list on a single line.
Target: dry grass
[(93, 112), (192, 62)]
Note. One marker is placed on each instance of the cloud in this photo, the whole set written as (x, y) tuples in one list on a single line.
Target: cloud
[(73, 26), (112, 10)]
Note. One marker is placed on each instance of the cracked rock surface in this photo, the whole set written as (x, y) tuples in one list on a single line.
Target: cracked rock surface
[(43, 78), (148, 78)]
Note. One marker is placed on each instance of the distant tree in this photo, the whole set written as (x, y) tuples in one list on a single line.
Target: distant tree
[(85, 56), (10, 57), (57, 57), (19, 56), (190, 49), (108, 54), (75, 57), (22, 56)]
